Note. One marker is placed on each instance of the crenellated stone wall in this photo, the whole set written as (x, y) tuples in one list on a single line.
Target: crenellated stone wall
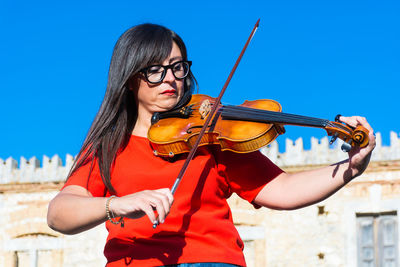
[(322, 153), (31, 171)]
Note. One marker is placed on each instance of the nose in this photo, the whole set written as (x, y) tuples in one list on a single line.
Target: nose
[(169, 76)]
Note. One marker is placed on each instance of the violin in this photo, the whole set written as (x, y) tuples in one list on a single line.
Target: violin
[(242, 129)]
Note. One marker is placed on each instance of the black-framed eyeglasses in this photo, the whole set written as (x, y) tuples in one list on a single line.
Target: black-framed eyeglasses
[(156, 73)]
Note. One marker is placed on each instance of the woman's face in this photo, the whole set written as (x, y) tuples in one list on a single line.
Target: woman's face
[(164, 95)]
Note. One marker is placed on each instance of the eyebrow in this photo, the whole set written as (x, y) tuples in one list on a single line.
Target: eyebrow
[(175, 58)]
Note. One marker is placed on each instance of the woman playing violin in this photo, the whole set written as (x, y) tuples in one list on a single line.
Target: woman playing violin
[(118, 180)]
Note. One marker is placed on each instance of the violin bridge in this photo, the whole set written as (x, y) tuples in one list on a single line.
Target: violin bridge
[(205, 108)]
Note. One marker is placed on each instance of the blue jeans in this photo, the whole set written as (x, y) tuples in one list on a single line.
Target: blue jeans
[(204, 264)]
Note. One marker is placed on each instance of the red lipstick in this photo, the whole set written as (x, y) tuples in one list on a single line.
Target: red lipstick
[(169, 92)]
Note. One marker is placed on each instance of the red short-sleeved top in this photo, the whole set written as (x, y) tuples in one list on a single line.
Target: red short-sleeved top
[(199, 227)]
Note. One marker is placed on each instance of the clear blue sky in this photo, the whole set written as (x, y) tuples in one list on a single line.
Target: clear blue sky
[(317, 58)]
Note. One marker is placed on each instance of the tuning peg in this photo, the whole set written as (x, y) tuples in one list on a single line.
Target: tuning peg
[(333, 139), (346, 146)]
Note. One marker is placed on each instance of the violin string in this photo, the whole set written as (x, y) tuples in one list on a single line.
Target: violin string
[(271, 116), (241, 112), (228, 109), (342, 127)]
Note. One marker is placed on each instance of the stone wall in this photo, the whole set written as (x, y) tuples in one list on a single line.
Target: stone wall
[(26, 238), (320, 235), (323, 234)]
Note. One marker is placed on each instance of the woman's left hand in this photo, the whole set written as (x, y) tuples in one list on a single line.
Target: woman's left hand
[(360, 157)]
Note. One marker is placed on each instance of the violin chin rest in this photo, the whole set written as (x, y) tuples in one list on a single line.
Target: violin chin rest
[(155, 118)]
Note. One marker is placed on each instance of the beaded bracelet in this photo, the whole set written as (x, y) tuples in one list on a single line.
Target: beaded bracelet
[(110, 214)]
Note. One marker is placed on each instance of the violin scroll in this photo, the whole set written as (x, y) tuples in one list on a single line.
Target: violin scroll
[(351, 136), (360, 136)]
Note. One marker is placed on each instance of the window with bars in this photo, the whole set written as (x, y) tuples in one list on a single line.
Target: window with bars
[(377, 239)]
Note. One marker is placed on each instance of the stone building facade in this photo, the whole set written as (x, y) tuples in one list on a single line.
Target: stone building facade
[(357, 224)]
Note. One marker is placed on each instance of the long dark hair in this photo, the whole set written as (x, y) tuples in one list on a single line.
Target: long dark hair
[(138, 47)]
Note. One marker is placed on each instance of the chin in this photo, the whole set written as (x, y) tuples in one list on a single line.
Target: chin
[(168, 105)]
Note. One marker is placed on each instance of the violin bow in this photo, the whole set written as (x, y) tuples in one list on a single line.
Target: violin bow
[(210, 115)]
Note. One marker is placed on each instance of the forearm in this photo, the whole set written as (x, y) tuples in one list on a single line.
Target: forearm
[(75, 210), (71, 214), (293, 191)]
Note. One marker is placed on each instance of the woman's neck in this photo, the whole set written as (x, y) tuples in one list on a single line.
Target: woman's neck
[(142, 124)]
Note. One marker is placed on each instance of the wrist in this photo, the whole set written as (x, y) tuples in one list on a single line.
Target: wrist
[(110, 214), (347, 172)]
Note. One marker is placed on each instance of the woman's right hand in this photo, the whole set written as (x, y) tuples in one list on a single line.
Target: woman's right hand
[(143, 203), (75, 210)]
